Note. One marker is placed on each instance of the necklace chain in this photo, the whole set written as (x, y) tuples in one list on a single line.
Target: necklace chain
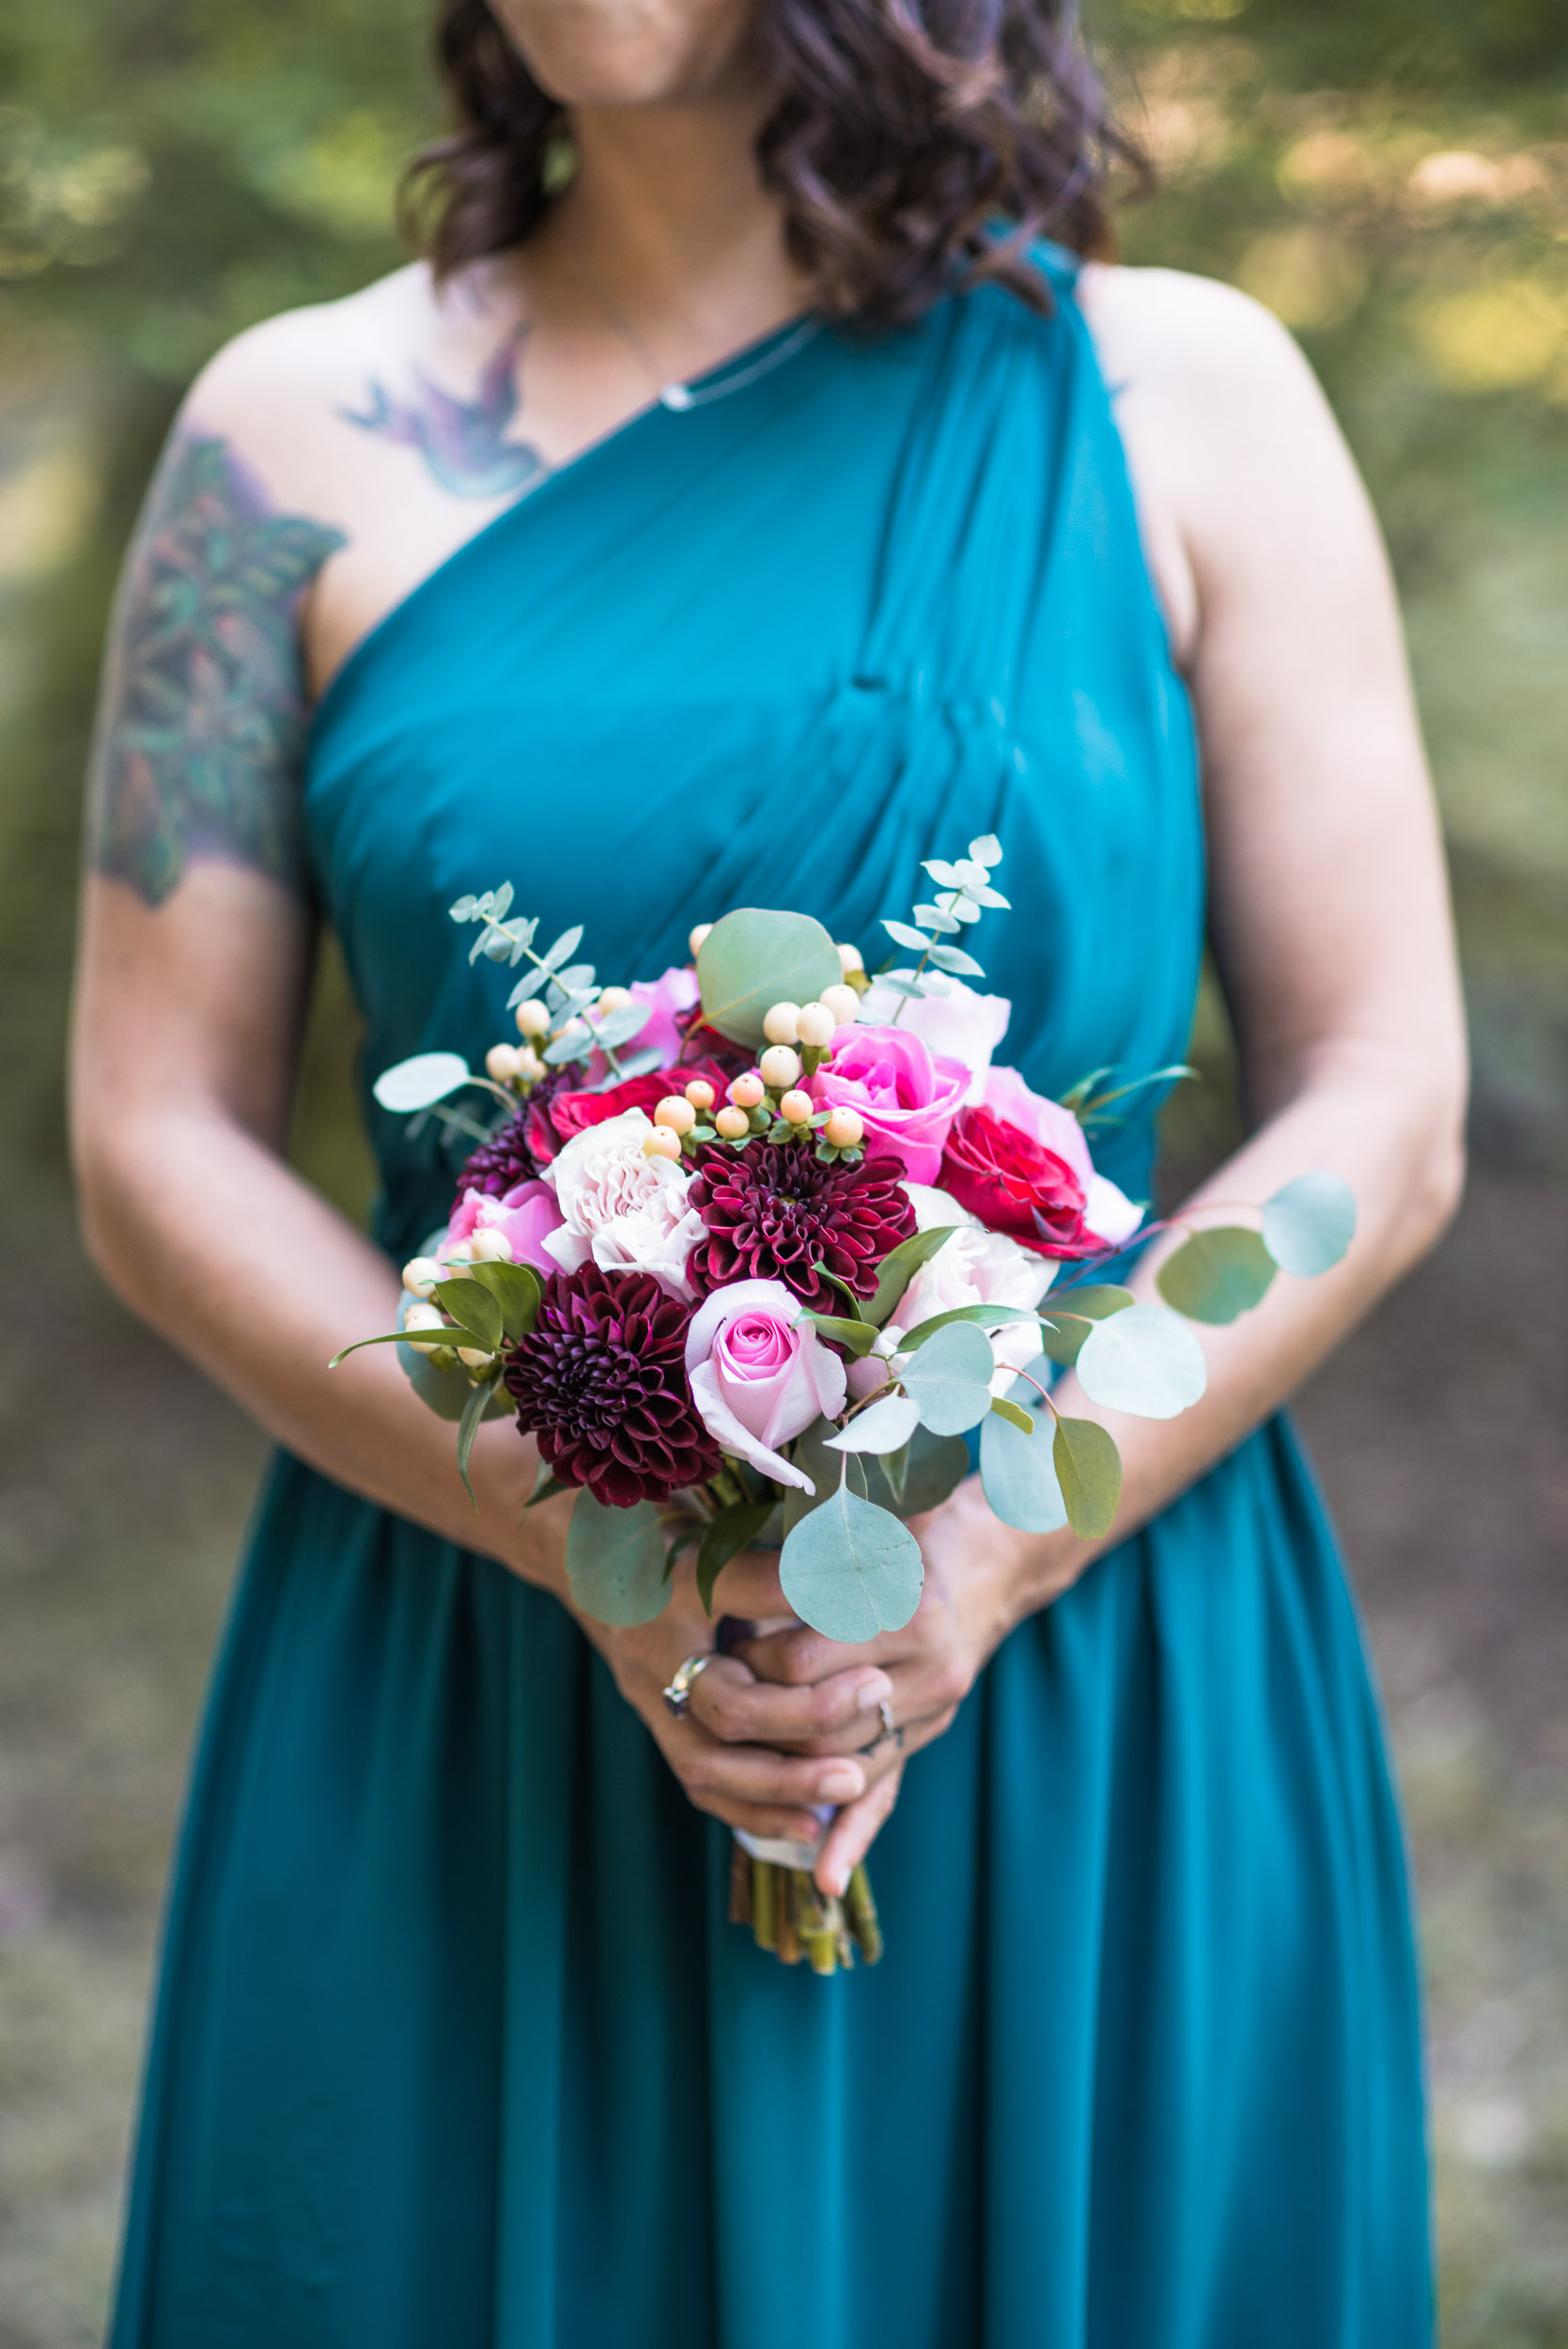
[(679, 397)]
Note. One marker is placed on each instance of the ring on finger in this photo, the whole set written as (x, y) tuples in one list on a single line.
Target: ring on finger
[(888, 1730), (677, 1696)]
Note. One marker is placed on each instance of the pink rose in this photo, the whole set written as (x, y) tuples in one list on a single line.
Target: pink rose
[(759, 1375), (671, 995), (1108, 1216), (964, 1025), (525, 1216), (907, 1095)]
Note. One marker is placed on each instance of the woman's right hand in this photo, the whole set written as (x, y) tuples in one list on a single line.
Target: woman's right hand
[(726, 1749)]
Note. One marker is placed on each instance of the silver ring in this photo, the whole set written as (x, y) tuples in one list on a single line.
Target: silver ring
[(885, 1713), (677, 1696)]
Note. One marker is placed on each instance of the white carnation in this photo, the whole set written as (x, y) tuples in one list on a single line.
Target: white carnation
[(626, 1210)]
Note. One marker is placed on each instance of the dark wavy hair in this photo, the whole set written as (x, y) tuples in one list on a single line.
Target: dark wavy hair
[(915, 144)]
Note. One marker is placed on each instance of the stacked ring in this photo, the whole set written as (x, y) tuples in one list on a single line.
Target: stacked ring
[(677, 1696)]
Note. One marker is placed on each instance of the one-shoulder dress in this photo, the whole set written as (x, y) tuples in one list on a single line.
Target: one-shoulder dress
[(455, 2046)]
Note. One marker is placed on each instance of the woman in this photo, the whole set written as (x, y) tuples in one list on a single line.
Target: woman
[(735, 512)]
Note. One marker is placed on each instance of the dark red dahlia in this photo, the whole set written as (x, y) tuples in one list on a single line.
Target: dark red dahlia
[(774, 1213), (510, 1157), (600, 1381)]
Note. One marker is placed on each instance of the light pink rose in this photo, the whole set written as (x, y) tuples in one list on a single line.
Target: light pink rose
[(675, 991), (525, 1215), (760, 1374), (907, 1095), (964, 1025), (1108, 1214)]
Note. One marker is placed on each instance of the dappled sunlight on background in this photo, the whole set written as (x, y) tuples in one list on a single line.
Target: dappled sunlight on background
[(1392, 184)]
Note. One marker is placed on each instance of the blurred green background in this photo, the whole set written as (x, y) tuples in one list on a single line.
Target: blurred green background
[(1393, 179)]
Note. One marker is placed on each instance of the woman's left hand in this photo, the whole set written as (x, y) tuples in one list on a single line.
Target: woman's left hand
[(981, 1578)]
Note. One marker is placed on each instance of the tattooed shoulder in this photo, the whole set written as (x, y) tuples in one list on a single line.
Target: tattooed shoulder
[(462, 442), (203, 716)]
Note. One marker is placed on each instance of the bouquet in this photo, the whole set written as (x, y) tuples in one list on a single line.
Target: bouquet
[(752, 1248)]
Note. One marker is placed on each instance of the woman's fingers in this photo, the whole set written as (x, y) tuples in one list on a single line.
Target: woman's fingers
[(707, 1767), (838, 1714), (854, 1830)]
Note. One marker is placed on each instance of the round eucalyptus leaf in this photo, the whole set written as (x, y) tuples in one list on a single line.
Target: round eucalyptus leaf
[(850, 1569), (615, 1561), (755, 958), (1088, 1470), (1308, 1225), (1216, 1274), (1017, 1472), (884, 1426), (1146, 1361), (413, 1084), (949, 1378), (922, 1474)]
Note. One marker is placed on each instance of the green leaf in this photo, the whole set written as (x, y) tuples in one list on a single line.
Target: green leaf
[(618, 1027), (904, 934), (1014, 1413), (447, 1393), (1017, 1469), (954, 959), (615, 1562), (809, 1453), (1089, 1470), (851, 1570), (472, 1304), (1146, 1361), (859, 1336), (1074, 1314), (390, 1337), (730, 1531), (1308, 1225), (517, 1290), (545, 1486), (414, 1085), (851, 1299), (986, 851), (922, 1475), (984, 1316), (468, 1427), (564, 948), (1216, 1275), (898, 1268), (755, 958), (950, 1379), (882, 1426)]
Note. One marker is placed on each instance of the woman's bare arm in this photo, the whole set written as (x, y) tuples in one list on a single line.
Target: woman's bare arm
[(196, 942)]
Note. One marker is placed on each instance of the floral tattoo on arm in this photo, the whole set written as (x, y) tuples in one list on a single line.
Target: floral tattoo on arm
[(462, 442), (203, 716)]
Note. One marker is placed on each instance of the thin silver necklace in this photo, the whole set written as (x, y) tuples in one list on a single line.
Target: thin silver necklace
[(679, 397)]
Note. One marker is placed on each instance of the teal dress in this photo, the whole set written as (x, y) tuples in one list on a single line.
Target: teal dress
[(455, 2046)]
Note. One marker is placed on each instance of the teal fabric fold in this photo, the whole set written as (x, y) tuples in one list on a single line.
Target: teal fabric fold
[(455, 2044)]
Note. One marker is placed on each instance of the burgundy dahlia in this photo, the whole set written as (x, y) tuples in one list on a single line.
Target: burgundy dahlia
[(775, 1213), (600, 1381), (512, 1156)]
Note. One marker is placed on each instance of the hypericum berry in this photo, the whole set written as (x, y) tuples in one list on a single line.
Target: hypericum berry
[(475, 1357), (815, 1026), (501, 1063), (779, 1067), (491, 1247), (530, 1066), (613, 998), (457, 1259), (677, 1113), (423, 1317), (844, 1130), (700, 1094), (732, 1124), (533, 1018), (797, 1108), (420, 1275), (843, 1003), (778, 1022), (695, 941), (849, 959), (660, 1143), (747, 1091)]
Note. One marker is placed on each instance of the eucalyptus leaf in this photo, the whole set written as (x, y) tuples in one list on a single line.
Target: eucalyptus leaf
[(615, 1561), (933, 918), (945, 875), (898, 1268), (731, 1531), (575, 1042), (953, 958), (618, 1027), (1068, 1319), (1089, 1472), (475, 1309), (883, 1426), (755, 958), (1216, 1274), (1308, 1225), (414, 1085), (635, 1065), (851, 1570), (1146, 1361), (517, 1290), (950, 1379), (564, 948), (904, 934), (986, 851), (1014, 1413), (529, 984), (812, 1456), (922, 1476), (1018, 1472)]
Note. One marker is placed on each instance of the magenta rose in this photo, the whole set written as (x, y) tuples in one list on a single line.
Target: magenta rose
[(523, 1216), (907, 1095), (553, 1120), (760, 1374), (1013, 1184), (1109, 1215)]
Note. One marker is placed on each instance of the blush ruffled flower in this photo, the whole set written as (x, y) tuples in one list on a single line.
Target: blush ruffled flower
[(625, 1211)]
